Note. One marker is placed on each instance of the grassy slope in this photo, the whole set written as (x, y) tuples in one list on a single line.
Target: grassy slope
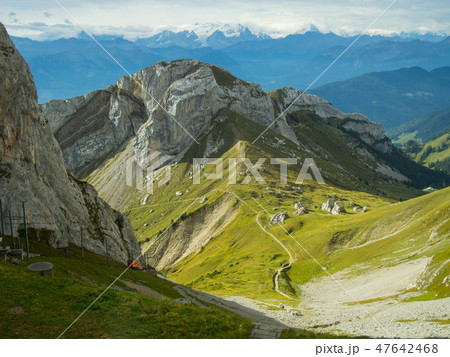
[(42, 307), (404, 137), (336, 171), (433, 157), (231, 263), (241, 260), (423, 129), (423, 230)]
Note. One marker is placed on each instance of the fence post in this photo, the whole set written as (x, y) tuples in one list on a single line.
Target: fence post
[(12, 232), (3, 228), (26, 231)]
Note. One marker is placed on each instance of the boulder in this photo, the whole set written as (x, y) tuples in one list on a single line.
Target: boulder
[(301, 211), (299, 205), (279, 217), (328, 206), (338, 208)]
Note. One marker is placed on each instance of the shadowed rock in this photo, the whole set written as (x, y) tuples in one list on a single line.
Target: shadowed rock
[(32, 169)]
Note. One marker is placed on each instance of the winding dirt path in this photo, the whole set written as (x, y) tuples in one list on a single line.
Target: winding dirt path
[(285, 266)]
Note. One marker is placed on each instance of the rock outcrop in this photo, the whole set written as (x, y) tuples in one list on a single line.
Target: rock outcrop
[(301, 212), (328, 206), (300, 209), (333, 207), (32, 169), (279, 217)]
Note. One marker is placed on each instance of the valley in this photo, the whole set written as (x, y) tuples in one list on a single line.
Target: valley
[(216, 235)]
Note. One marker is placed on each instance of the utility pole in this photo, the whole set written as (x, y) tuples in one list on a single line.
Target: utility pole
[(26, 231), (82, 247), (3, 228), (12, 232)]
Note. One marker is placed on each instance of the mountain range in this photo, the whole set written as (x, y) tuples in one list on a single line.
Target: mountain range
[(68, 67), (394, 97), (200, 95)]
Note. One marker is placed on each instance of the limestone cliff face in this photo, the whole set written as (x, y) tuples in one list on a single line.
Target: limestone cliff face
[(162, 106), (32, 169), (190, 95)]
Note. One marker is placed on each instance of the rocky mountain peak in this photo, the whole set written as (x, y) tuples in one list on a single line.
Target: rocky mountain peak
[(164, 106)]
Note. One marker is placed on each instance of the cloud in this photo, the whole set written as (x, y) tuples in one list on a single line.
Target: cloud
[(40, 31), (141, 17)]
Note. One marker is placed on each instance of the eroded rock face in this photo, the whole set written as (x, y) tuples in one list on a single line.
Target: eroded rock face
[(32, 169), (191, 234)]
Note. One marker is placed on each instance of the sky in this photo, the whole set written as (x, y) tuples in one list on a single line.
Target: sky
[(46, 20)]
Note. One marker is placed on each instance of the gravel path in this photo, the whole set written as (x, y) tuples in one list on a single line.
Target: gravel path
[(284, 267), (264, 325)]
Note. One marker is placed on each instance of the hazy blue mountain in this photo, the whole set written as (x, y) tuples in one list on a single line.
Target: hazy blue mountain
[(77, 66), (423, 129), (71, 67), (298, 59), (393, 97)]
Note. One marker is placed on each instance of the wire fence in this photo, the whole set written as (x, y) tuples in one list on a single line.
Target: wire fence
[(19, 232)]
